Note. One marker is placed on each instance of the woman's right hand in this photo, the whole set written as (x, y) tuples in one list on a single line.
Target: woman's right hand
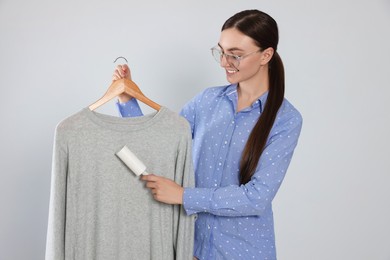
[(121, 72)]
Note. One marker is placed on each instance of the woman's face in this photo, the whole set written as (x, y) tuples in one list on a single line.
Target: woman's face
[(233, 42)]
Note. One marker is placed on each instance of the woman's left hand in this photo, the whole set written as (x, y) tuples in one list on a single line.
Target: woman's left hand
[(163, 189)]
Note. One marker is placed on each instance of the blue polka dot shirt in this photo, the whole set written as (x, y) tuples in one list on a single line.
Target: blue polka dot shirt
[(233, 221)]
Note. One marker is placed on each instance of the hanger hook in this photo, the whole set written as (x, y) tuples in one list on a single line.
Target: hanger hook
[(120, 57)]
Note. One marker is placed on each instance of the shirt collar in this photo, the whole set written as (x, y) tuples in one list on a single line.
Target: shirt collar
[(231, 92)]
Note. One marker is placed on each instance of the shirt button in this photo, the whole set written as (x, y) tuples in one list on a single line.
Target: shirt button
[(225, 142), (208, 227)]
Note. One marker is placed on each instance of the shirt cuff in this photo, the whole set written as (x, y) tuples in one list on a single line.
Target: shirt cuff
[(197, 200), (129, 108)]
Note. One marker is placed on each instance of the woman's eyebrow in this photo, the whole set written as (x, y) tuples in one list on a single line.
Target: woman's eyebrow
[(231, 49)]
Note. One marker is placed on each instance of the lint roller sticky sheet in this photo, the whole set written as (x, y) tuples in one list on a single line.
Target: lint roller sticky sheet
[(129, 158)]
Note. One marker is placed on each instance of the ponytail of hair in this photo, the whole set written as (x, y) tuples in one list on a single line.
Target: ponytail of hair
[(258, 137), (263, 29)]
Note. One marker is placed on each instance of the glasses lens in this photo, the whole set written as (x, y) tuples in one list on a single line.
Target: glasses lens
[(232, 61), (217, 54)]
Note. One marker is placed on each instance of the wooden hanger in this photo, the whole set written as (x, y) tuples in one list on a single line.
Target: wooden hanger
[(121, 86)]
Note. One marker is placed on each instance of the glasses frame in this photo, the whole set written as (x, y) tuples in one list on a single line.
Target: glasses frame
[(230, 58)]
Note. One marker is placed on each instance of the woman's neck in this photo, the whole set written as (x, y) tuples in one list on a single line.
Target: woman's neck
[(249, 92)]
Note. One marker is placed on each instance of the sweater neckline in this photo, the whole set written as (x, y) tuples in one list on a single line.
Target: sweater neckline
[(124, 123)]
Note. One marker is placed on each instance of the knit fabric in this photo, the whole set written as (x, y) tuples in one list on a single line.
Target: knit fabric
[(99, 209)]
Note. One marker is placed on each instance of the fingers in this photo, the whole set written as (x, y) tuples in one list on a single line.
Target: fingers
[(151, 181), (149, 177), (124, 71), (151, 185), (116, 76), (163, 189), (121, 71)]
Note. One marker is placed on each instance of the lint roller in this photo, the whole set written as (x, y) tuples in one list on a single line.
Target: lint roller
[(129, 158)]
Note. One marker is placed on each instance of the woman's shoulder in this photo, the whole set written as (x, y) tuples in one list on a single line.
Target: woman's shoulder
[(289, 114), (213, 92)]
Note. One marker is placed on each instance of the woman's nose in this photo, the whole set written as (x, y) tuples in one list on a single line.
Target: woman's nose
[(224, 61)]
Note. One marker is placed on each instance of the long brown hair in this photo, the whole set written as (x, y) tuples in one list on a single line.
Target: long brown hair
[(263, 29)]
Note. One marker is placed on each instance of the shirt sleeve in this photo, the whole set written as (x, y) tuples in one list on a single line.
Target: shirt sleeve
[(183, 223), (55, 242), (254, 197), (189, 111), (130, 108)]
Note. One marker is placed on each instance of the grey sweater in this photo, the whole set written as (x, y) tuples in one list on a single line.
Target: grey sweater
[(99, 209)]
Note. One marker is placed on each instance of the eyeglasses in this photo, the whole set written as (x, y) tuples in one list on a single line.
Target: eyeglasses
[(232, 59)]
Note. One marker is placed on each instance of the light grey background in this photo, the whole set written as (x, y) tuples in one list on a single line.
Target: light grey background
[(56, 57)]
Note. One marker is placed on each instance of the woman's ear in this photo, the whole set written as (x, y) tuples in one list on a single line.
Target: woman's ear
[(266, 55)]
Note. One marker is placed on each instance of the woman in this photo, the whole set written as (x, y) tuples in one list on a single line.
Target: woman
[(244, 135)]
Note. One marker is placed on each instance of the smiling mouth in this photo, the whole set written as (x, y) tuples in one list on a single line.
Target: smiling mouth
[(231, 71)]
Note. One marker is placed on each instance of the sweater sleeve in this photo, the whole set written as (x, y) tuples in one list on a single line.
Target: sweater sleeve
[(183, 223), (55, 241)]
